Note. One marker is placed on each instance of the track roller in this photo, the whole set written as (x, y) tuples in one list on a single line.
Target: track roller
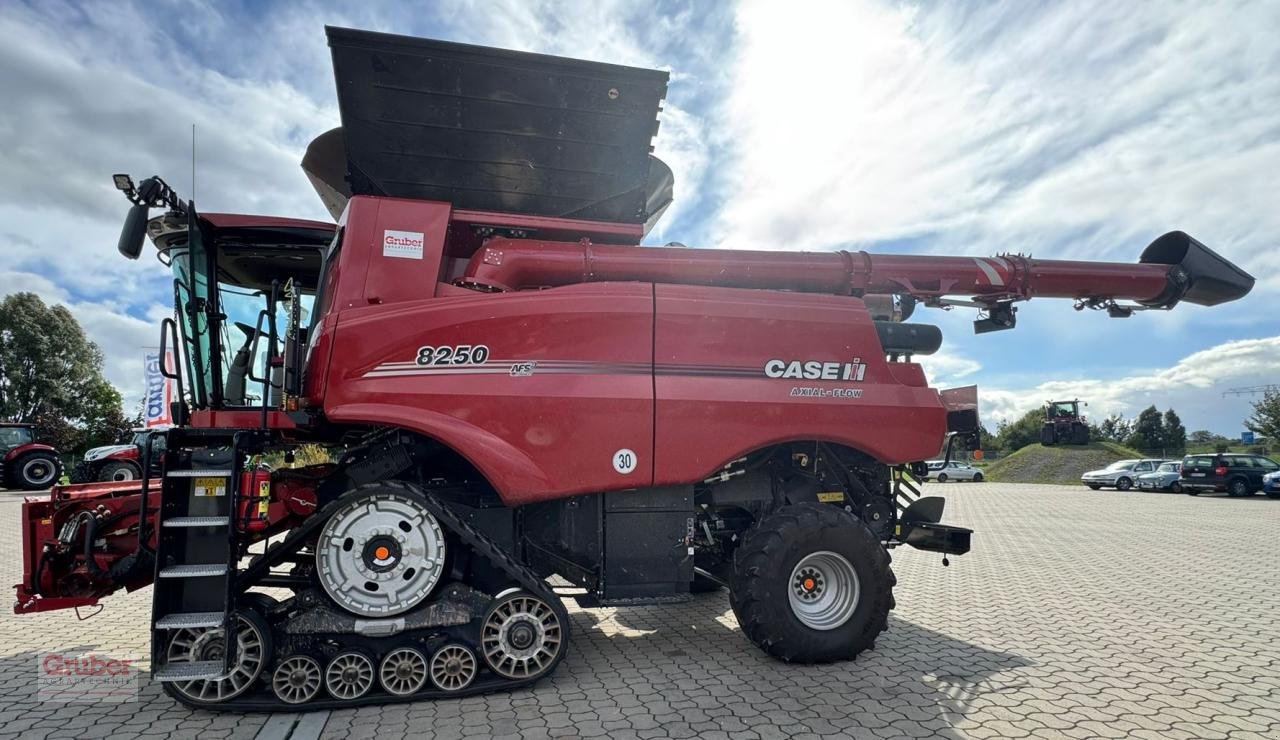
[(349, 675), (453, 667), (521, 636), (297, 679), (403, 671)]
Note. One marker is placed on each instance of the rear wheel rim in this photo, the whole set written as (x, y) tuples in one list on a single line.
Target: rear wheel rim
[(824, 590), (39, 471)]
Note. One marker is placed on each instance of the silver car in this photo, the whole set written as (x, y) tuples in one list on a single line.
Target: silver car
[(1120, 474), (1167, 477), (953, 471)]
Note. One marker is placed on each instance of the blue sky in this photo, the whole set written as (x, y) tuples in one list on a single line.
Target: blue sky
[(1064, 130)]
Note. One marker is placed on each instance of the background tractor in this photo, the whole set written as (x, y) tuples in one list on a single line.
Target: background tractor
[(1063, 424), (25, 463)]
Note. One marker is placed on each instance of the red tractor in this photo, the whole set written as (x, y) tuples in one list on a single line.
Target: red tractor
[(512, 389), (1063, 424), (25, 463)]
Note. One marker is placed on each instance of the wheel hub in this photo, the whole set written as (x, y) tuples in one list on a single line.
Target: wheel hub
[(380, 556), (824, 590)]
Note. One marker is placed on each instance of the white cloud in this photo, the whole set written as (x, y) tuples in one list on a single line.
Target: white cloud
[(1193, 387), (1075, 129)]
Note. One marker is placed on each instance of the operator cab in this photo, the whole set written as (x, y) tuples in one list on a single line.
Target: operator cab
[(240, 329)]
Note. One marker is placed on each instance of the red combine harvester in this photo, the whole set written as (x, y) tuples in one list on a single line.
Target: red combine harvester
[(515, 390)]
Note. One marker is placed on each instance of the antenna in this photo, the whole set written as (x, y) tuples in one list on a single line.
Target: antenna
[(193, 163)]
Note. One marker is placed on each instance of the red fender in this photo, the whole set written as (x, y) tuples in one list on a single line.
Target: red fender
[(20, 450)]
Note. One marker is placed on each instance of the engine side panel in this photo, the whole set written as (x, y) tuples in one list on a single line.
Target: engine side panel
[(716, 348)]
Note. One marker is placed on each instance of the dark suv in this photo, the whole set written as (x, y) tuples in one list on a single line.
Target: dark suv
[(1237, 474)]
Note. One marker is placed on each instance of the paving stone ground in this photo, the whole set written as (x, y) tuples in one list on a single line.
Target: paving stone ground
[(1078, 614)]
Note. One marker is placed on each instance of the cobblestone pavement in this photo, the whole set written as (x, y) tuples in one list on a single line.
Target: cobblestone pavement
[(1078, 614)]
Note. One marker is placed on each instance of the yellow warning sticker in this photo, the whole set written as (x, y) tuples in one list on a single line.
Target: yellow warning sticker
[(264, 493), (831, 497), (209, 487)]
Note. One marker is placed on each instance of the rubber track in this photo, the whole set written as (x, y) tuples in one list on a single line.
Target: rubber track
[(262, 698)]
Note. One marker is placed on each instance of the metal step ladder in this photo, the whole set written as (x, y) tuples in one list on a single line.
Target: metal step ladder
[(197, 550)]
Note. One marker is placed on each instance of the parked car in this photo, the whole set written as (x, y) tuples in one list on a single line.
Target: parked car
[(1237, 474), (952, 471), (1120, 474), (24, 462), (118, 462), (1167, 477), (1271, 484)]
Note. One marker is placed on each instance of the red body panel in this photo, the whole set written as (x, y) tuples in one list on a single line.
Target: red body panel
[(707, 417), (20, 450), (570, 374)]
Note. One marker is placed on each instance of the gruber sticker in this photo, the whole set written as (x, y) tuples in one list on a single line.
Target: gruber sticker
[(816, 370), (403, 244), (624, 461)]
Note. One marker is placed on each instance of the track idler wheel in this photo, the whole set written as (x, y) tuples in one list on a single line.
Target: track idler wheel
[(253, 649), (521, 636), (454, 667), (349, 675), (403, 671), (297, 679)]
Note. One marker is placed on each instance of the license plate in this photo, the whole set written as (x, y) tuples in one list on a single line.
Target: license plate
[(1198, 475), (209, 487)]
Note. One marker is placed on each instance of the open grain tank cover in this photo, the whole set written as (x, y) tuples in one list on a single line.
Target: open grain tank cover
[(493, 130)]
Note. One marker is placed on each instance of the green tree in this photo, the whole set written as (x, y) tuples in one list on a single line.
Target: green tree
[(1115, 428), (1012, 436), (1148, 431), (1175, 434), (51, 375), (1266, 416)]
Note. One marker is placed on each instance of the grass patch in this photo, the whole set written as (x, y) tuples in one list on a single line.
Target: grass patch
[(1062, 464)]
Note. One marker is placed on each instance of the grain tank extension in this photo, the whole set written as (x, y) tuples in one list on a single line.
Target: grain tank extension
[(510, 388)]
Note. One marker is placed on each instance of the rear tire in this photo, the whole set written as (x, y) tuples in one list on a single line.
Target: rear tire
[(812, 564), (1238, 488), (942, 477), (1176, 487), (36, 470), (977, 477), (119, 471), (1124, 484)]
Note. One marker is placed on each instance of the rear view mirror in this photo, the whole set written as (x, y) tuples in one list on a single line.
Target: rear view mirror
[(134, 232)]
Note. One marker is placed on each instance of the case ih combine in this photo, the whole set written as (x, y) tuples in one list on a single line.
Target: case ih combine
[(518, 391)]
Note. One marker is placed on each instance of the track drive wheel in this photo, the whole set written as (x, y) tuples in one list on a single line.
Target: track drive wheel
[(521, 637), (812, 584), (253, 650)]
